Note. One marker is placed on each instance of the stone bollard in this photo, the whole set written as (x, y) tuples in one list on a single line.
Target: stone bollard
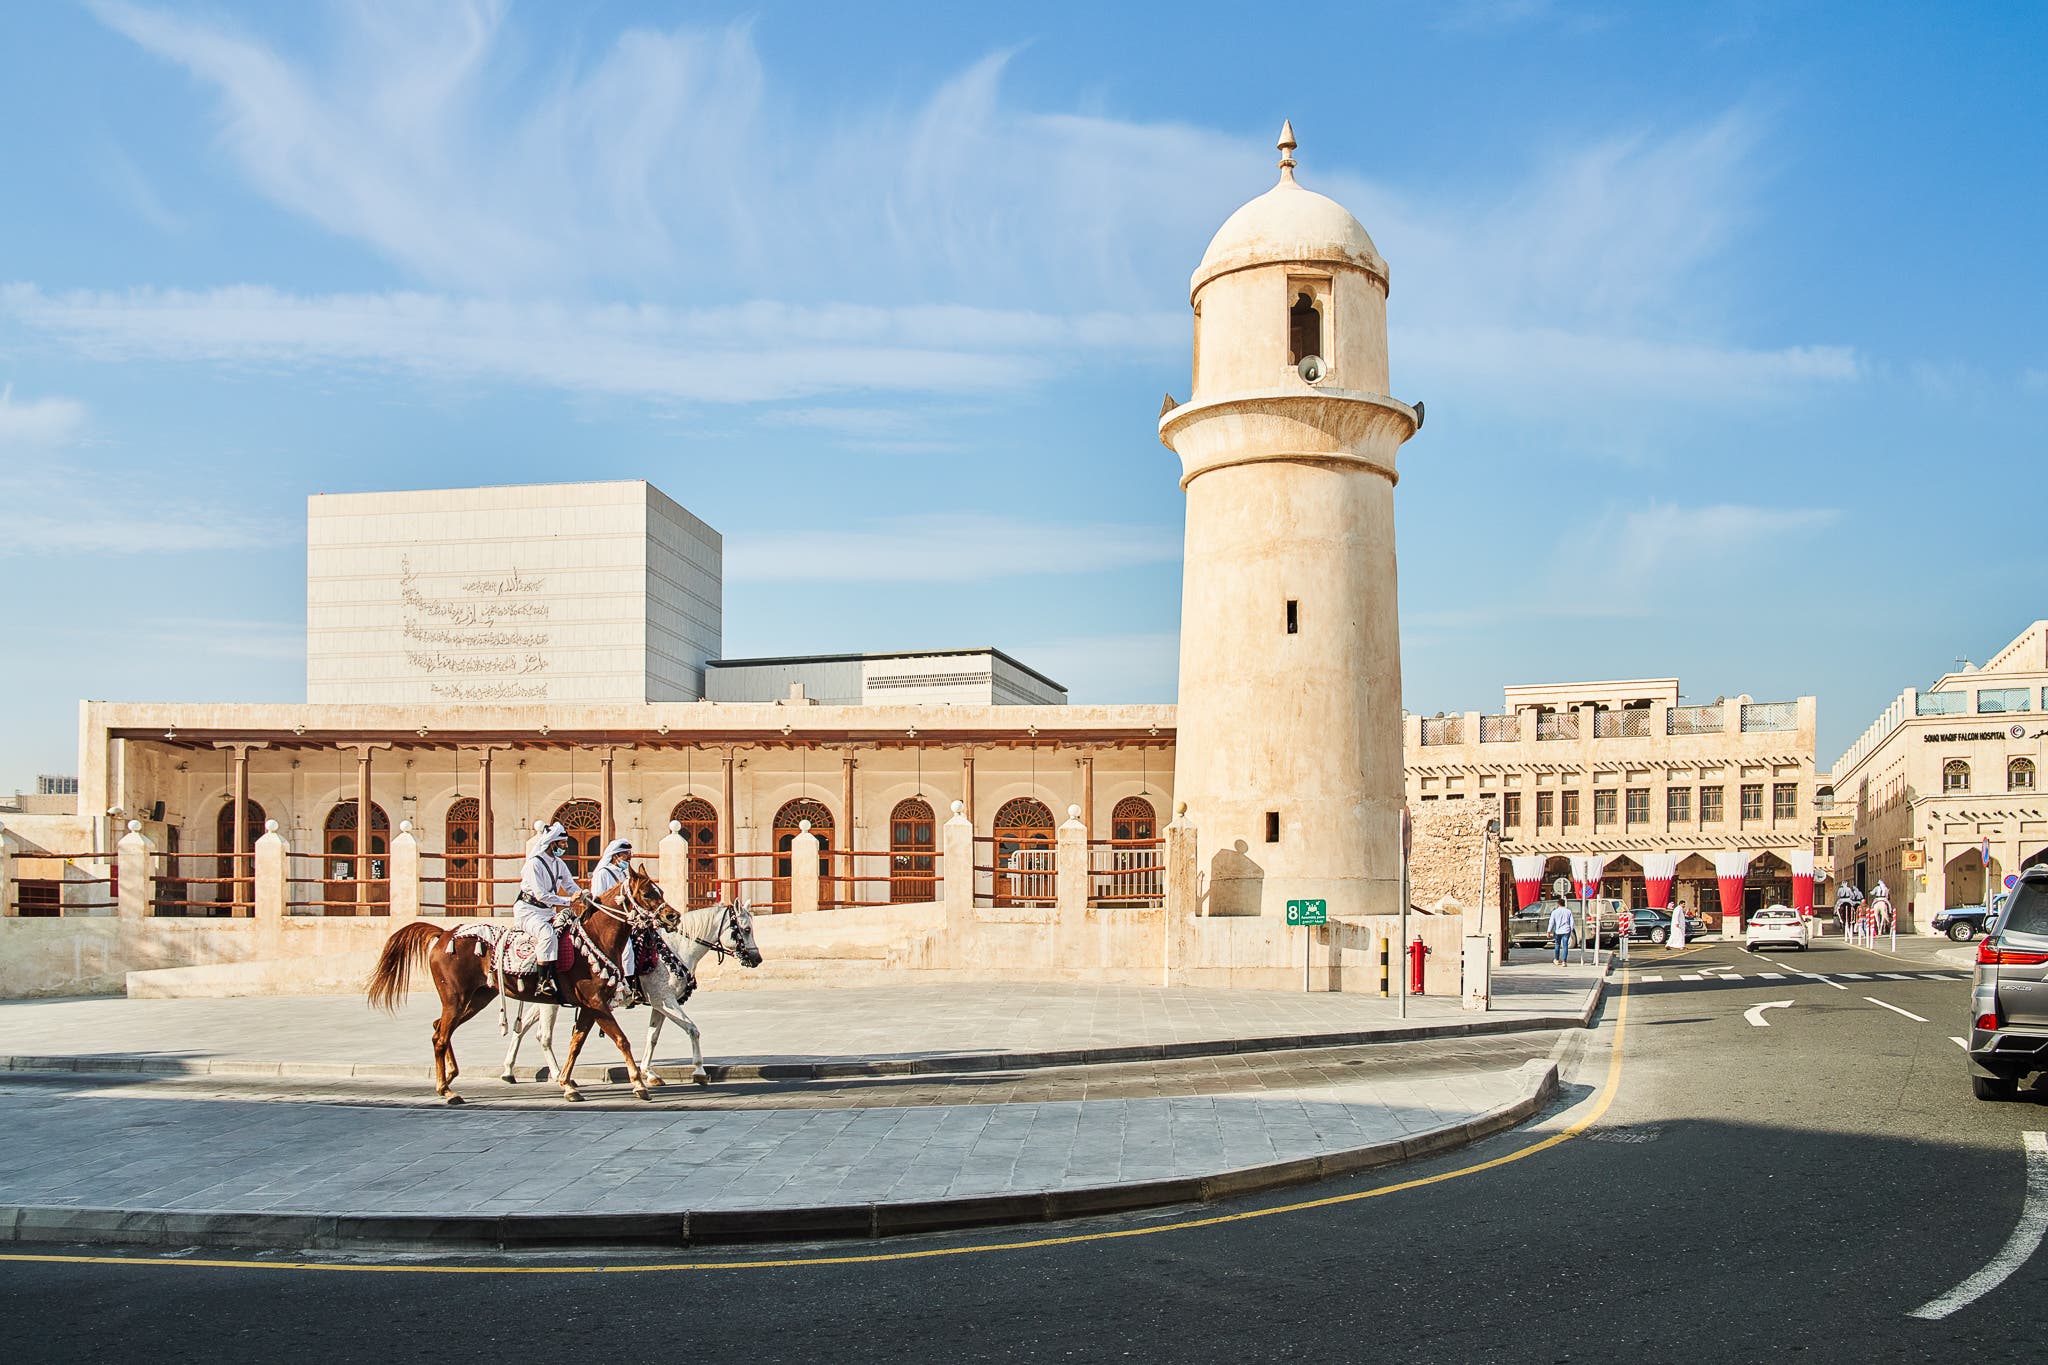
[(271, 860), (1070, 868), (803, 869), (1183, 897), (673, 871), (405, 875), (956, 866), (133, 857)]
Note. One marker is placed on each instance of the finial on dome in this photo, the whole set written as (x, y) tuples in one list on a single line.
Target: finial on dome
[(1286, 145)]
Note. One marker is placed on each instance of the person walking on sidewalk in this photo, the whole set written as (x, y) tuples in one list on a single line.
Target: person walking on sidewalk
[(1561, 933)]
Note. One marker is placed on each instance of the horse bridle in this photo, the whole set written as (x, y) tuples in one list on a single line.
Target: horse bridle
[(727, 924)]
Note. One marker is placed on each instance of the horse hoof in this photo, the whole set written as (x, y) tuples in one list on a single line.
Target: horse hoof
[(573, 1096), (653, 1079), (454, 1099), (701, 1078), (641, 1092), (509, 1078)]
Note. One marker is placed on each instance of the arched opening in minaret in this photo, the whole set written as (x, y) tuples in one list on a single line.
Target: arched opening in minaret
[(1304, 329)]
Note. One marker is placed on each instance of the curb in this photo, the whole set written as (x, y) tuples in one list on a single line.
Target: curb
[(716, 1227), (971, 1062)]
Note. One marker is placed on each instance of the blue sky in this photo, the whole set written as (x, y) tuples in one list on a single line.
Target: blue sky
[(1728, 320)]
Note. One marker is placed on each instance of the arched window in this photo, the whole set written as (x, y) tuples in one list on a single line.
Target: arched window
[(462, 893), (584, 820), (347, 861), (241, 892), (1133, 822), (913, 846), (1023, 852), (1955, 776), (2019, 775), (699, 822), (1304, 329), (787, 826)]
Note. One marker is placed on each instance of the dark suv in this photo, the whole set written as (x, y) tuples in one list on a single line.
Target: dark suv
[(1964, 922), (2009, 997)]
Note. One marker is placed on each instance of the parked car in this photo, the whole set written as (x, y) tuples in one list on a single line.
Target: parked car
[(1654, 926), (2009, 994), (1530, 928), (1777, 926), (1964, 922), (1603, 910)]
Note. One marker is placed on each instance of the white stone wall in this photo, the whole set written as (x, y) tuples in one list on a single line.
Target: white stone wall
[(542, 593)]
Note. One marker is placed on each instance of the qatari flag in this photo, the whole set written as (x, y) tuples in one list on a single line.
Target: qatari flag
[(1731, 870), (1658, 870), (1802, 881), (1528, 878)]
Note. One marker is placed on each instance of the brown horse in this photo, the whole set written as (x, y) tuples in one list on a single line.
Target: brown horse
[(465, 982)]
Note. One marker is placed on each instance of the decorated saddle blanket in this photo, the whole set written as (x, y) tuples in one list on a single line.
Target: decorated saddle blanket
[(516, 953)]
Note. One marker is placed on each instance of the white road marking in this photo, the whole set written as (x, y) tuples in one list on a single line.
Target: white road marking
[(1772, 976), (1895, 976), (1643, 980), (1962, 1043), (1755, 1013), (1853, 976), (2025, 1240), (1895, 1009), (1690, 976)]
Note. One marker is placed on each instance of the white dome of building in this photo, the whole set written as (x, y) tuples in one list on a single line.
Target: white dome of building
[(1288, 224)]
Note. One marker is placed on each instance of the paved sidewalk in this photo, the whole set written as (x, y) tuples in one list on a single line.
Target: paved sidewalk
[(288, 1141), (803, 1028)]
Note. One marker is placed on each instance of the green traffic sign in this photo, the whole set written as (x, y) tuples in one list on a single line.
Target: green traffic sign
[(1301, 913)]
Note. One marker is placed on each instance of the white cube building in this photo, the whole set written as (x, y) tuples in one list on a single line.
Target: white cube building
[(574, 592)]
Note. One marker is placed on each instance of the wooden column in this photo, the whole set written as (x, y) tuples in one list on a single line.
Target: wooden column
[(1088, 791), (365, 808), (850, 840), (727, 842), (604, 796), (242, 890)]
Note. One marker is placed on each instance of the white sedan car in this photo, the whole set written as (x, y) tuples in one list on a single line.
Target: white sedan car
[(1776, 926)]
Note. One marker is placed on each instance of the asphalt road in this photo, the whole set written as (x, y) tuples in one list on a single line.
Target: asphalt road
[(1723, 1192)]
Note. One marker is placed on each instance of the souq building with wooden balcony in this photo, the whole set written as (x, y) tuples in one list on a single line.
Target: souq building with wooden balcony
[(1940, 798), (1630, 773)]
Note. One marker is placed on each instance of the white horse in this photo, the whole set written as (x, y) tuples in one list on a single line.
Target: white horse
[(727, 930)]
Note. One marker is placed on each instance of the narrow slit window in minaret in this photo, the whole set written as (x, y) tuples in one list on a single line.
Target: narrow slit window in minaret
[(1304, 329), (1272, 826), (1293, 617)]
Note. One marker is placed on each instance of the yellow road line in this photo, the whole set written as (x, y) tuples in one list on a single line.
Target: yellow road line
[(1592, 1116)]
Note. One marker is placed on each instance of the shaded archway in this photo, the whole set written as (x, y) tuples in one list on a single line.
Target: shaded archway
[(461, 890), (913, 849), (788, 824), (1694, 886), (236, 885), (1965, 878), (1769, 883), (1023, 847), (349, 860), (583, 818), (697, 822), (1622, 880)]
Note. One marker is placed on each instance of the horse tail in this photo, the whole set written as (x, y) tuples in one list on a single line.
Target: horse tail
[(393, 976)]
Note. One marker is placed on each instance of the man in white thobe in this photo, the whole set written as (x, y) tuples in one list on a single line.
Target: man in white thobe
[(546, 886)]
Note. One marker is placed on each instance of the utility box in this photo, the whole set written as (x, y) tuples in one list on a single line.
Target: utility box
[(1478, 963)]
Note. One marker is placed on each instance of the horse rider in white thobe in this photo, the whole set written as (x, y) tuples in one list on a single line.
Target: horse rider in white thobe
[(547, 885), (613, 868)]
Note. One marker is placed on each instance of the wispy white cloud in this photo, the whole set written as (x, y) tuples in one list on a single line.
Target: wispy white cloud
[(673, 164), (944, 548), (754, 352), (38, 421), (58, 504), (1143, 667)]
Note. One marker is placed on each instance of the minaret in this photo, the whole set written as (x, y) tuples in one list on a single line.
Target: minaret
[(1289, 730)]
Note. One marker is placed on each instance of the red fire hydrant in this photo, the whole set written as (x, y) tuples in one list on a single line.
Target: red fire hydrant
[(1416, 953)]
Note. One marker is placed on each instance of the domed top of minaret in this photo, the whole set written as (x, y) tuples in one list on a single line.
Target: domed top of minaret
[(1288, 224)]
